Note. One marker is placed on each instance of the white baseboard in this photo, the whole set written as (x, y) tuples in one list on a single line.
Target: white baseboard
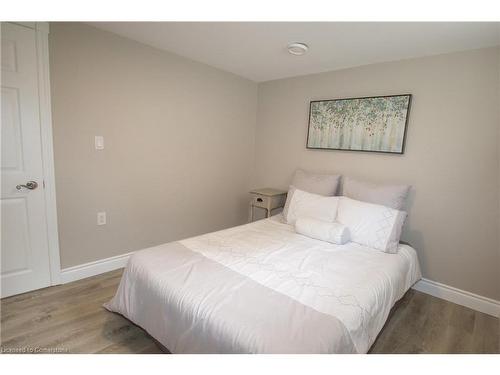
[(460, 297), (97, 267)]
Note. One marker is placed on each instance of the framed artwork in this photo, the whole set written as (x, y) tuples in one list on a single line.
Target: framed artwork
[(376, 124)]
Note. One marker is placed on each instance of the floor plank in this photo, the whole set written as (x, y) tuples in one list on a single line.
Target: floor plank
[(70, 318), (421, 323)]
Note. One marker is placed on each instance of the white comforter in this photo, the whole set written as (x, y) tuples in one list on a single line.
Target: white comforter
[(263, 288)]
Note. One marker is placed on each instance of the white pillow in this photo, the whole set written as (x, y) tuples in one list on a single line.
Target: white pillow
[(322, 230), (291, 190), (371, 224), (304, 204)]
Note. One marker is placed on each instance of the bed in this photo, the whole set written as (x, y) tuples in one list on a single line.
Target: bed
[(263, 288)]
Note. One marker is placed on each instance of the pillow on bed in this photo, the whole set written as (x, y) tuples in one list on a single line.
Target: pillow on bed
[(393, 196), (316, 183), (371, 224), (291, 190), (322, 230), (304, 204)]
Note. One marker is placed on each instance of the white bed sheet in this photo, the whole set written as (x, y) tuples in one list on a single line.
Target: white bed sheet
[(332, 298)]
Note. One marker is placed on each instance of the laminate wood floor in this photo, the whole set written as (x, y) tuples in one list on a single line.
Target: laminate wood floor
[(70, 319)]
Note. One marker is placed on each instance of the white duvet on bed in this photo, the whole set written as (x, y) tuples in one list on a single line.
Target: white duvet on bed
[(263, 288)]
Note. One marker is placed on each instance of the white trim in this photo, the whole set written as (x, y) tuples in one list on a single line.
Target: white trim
[(97, 267), (42, 51), (460, 297)]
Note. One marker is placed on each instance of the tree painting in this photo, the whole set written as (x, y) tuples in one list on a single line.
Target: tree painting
[(362, 124)]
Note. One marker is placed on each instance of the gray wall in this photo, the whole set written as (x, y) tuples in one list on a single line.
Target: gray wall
[(179, 144), (183, 148), (451, 157)]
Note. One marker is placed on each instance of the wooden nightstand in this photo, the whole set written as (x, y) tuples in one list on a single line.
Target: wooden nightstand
[(268, 199)]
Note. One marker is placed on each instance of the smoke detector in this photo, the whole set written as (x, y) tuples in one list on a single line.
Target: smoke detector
[(297, 48)]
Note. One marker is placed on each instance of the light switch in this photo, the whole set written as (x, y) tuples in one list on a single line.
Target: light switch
[(99, 142), (101, 218)]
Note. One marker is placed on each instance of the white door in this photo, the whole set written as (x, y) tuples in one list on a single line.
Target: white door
[(25, 261)]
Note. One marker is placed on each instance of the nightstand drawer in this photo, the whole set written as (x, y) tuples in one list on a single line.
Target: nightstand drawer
[(261, 201), (268, 202)]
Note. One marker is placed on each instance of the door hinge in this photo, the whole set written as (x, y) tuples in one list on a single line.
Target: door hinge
[(43, 183)]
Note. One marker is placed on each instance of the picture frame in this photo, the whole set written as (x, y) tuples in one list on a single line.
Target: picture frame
[(367, 124)]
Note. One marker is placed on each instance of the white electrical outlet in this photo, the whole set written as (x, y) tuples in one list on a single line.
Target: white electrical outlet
[(101, 218), (99, 142)]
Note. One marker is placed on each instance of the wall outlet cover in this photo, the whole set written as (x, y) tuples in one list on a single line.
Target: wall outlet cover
[(99, 142), (101, 218)]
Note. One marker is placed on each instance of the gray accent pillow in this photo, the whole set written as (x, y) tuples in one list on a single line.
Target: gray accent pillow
[(316, 183), (393, 196)]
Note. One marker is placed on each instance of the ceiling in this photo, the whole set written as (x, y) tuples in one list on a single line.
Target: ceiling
[(257, 50)]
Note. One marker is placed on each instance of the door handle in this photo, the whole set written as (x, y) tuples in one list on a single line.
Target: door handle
[(31, 185)]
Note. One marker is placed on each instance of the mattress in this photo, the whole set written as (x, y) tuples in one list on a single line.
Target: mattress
[(263, 288)]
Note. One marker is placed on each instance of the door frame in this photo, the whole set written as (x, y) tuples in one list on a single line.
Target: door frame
[(42, 45), (49, 187)]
